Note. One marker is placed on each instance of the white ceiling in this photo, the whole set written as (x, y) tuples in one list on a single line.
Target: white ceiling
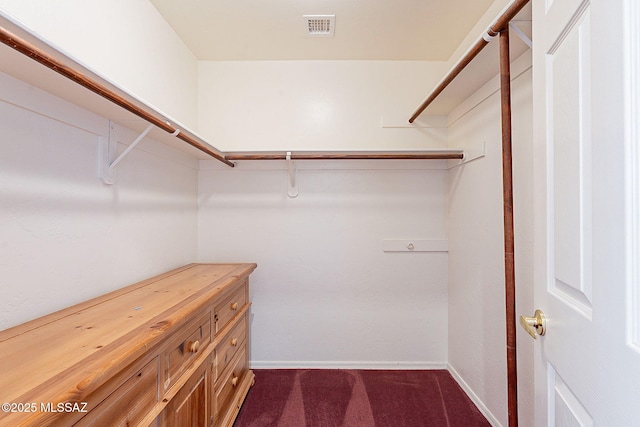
[(364, 30)]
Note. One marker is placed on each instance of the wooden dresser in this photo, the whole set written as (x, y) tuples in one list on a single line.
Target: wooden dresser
[(168, 351)]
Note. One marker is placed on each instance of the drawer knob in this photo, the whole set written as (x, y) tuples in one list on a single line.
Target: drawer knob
[(234, 342), (194, 346), (234, 381), (234, 306)]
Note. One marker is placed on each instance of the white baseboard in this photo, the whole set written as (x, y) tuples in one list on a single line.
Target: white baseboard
[(474, 397), (310, 364)]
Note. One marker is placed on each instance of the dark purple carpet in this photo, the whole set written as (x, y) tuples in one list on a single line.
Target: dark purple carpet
[(357, 398)]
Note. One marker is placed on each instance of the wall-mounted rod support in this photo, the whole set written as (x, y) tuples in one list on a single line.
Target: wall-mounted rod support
[(77, 76), (129, 148), (513, 26), (498, 26), (108, 151), (471, 153), (292, 190)]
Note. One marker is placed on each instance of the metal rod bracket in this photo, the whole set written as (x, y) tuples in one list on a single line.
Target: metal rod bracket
[(108, 167), (292, 185), (513, 26), (486, 36)]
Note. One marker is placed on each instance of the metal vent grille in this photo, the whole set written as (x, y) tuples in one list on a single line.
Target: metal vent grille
[(320, 25)]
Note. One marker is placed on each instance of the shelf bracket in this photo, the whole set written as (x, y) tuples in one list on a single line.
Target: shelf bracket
[(108, 166), (292, 189), (470, 154), (521, 34)]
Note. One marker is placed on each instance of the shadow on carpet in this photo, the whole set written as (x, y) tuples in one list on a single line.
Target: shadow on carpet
[(357, 398)]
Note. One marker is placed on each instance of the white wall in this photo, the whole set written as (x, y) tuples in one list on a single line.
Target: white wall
[(64, 235), (324, 105), (325, 294), (477, 343), (126, 41), (317, 105)]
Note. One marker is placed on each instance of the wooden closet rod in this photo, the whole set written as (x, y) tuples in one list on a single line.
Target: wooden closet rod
[(49, 61), (509, 237), (386, 155), (501, 28), (498, 26)]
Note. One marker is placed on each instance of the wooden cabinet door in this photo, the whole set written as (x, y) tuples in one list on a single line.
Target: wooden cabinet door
[(190, 406)]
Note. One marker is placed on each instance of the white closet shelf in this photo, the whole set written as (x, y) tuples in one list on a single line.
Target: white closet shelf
[(28, 57), (31, 59)]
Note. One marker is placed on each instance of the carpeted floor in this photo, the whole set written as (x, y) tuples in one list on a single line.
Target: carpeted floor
[(357, 398)]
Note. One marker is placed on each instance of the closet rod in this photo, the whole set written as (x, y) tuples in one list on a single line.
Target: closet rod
[(49, 61), (498, 26), (509, 240), (327, 155)]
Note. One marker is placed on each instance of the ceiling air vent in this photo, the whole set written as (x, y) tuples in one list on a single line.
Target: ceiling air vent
[(320, 25)]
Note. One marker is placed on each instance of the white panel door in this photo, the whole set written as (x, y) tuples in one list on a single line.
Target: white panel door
[(587, 364)]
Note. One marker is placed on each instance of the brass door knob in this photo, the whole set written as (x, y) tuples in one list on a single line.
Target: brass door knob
[(536, 325)]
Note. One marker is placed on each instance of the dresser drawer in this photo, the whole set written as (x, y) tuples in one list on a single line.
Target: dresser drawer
[(225, 311), (226, 389), (229, 346), (189, 408), (184, 348), (129, 403)]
